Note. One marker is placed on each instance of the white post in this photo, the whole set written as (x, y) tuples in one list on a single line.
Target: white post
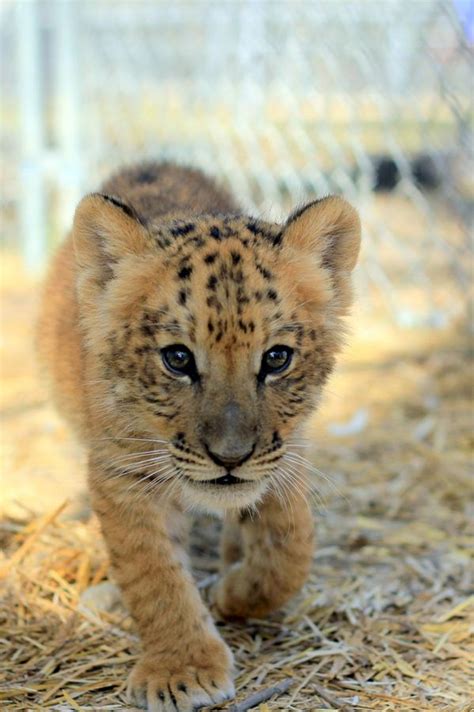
[(67, 109), (32, 198)]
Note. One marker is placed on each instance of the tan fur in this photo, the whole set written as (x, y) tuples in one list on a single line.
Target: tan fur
[(160, 257)]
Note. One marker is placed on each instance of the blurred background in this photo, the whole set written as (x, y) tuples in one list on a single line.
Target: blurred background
[(282, 101)]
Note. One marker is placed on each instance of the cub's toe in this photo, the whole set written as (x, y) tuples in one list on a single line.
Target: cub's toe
[(161, 690)]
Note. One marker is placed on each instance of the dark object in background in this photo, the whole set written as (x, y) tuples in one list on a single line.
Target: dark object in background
[(386, 173), (424, 170)]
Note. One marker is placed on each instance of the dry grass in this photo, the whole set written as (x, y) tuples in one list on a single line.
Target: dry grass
[(385, 619)]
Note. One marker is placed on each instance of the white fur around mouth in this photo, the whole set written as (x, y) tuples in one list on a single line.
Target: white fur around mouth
[(206, 495)]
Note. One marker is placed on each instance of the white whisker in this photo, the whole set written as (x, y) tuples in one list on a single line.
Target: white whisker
[(140, 453), (301, 461), (145, 440)]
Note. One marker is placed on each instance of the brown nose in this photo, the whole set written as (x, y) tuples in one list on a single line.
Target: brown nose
[(232, 459), (229, 435)]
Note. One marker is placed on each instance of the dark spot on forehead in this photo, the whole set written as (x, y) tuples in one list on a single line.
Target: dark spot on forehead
[(237, 276), (271, 294), (242, 297), (210, 258), (197, 241), (214, 303), (215, 232), (235, 257), (182, 297), (211, 282), (185, 272), (266, 274)]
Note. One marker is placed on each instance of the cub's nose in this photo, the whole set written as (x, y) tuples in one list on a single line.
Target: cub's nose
[(231, 458), (229, 433)]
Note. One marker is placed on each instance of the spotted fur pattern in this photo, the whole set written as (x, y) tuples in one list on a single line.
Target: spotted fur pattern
[(161, 257)]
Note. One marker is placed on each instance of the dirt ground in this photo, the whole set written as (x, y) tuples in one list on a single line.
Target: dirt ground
[(384, 623)]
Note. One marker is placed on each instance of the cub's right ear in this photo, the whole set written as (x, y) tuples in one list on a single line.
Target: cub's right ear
[(106, 229)]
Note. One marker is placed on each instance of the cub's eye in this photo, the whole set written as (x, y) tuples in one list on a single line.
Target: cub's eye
[(179, 360), (275, 360)]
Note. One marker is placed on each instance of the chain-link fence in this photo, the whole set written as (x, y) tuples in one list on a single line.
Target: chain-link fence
[(281, 100)]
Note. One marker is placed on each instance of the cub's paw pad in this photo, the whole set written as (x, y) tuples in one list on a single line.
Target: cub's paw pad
[(157, 689)]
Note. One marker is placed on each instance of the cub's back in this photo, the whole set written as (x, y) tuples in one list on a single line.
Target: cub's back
[(59, 340), (157, 189)]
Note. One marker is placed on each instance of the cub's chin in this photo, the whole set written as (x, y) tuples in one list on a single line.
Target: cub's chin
[(219, 496)]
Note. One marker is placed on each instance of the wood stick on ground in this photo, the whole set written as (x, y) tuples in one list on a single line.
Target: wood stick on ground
[(331, 700), (263, 695)]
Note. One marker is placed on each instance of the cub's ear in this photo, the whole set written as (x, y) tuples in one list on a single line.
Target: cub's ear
[(106, 229), (328, 230)]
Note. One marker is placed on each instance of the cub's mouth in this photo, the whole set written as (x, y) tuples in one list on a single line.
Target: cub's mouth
[(227, 479)]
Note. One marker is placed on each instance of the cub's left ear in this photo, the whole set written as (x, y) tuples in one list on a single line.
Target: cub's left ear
[(327, 230)]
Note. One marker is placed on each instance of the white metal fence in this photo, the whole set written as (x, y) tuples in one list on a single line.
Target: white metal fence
[(283, 100)]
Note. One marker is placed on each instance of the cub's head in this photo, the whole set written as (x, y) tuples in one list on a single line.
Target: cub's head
[(209, 339)]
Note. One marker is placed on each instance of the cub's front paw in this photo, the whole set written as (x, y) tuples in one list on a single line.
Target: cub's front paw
[(198, 677)]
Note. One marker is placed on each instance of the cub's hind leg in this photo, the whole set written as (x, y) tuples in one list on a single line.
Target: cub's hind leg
[(185, 664), (277, 546)]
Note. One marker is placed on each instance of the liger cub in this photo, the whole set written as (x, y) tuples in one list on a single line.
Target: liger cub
[(187, 343)]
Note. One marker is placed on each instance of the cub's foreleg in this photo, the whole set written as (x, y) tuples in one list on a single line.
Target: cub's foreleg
[(277, 549), (184, 663)]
